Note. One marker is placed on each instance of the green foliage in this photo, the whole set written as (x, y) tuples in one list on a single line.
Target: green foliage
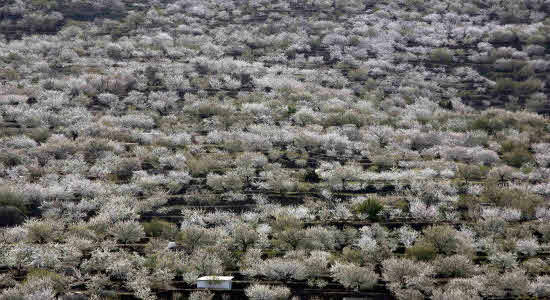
[(517, 158), (10, 159), (40, 135), (511, 197), (125, 168), (544, 230), (536, 102), (43, 3), (159, 228), (535, 266), (370, 206), (512, 65), (42, 231), (421, 251), (348, 117), (150, 162), (508, 85), (8, 197), (291, 109), (353, 255), (441, 55), (511, 145), (9, 74), (488, 124), (94, 148), (530, 85), (287, 232), (515, 154), (472, 172), (60, 282), (445, 239)]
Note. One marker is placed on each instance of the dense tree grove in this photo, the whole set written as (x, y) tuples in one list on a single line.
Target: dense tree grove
[(396, 147)]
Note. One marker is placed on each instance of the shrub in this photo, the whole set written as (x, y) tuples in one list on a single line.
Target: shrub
[(159, 228), (470, 286), (193, 236), (503, 260), (370, 206), (287, 233), (124, 169), (508, 214), (442, 237), (517, 157), (203, 262), (530, 85), (8, 197), (319, 237), (509, 65), (534, 266), (501, 174), (540, 287), (511, 198), (229, 181), (527, 247), (361, 74), (472, 172), (352, 276), (316, 267), (10, 159), (404, 273), (201, 166), (455, 266), (337, 175), (488, 123), (544, 229), (131, 121), (201, 295), (384, 161), (244, 236), (18, 142), (422, 251), (453, 294), (506, 85), (94, 149), (58, 281), (283, 269), (514, 282), (42, 231), (266, 292), (127, 231), (441, 55), (536, 102), (407, 235), (40, 135), (485, 157), (107, 99)]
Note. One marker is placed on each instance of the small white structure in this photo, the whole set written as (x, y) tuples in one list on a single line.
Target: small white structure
[(215, 282)]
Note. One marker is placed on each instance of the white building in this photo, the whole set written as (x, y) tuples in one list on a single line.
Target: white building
[(215, 282)]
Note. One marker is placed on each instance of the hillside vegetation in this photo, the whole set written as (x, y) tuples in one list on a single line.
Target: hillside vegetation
[(391, 149)]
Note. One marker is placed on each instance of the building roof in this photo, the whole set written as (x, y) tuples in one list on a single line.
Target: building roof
[(215, 278)]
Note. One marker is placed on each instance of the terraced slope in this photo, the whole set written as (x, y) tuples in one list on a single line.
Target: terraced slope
[(312, 149)]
